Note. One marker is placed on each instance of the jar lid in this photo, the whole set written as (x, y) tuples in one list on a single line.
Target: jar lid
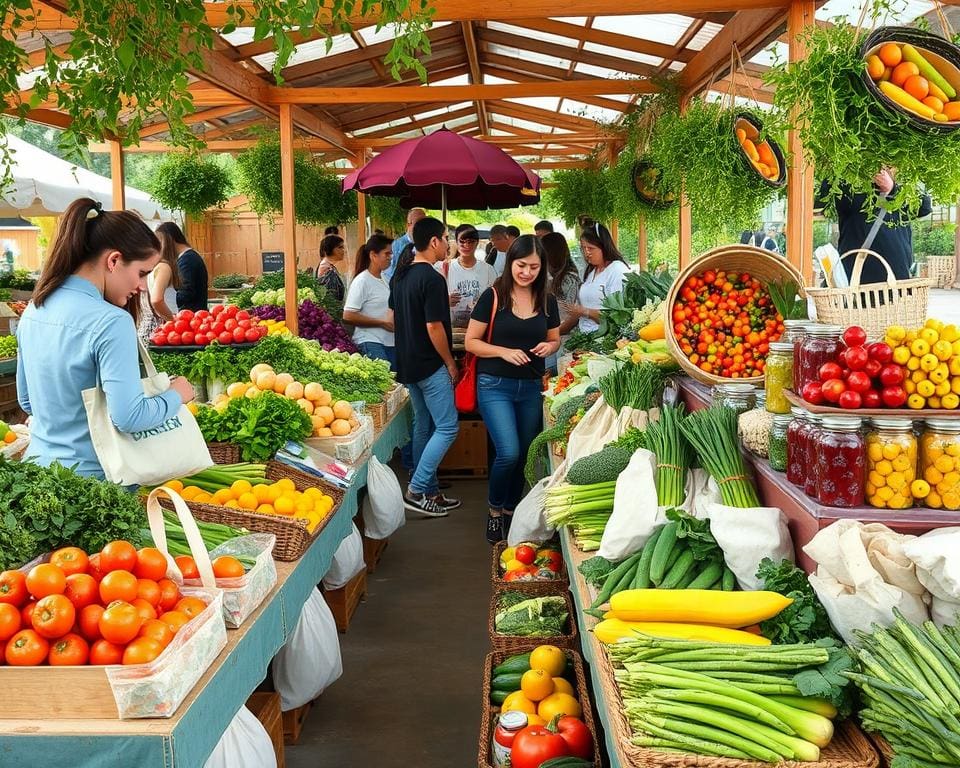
[(800, 323), (842, 423), (892, 423), (736, 389), (944, 425), (513, 721), (781, 346), (824, 330), (782, 419), (799, 413)]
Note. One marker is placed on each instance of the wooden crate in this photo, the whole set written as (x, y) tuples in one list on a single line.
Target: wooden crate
[(293, 720), (343, 602), (266, 707), (372, 552), (8, 389), (468, 454)]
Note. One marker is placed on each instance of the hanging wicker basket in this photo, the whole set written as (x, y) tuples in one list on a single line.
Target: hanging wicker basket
[(751, 125)]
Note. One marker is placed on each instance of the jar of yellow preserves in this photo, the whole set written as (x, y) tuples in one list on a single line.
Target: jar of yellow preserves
[(940, 465), (891, 463)]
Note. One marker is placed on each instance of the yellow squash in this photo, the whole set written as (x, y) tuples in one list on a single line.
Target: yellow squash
[(698, 606), (611, 630), (653, 331)]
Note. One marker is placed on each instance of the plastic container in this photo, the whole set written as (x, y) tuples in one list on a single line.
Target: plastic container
[(777, 452), (841, 462), (738, 397), (891, 463), (940, 463), (819, 346), (778, 376), (797, 435)]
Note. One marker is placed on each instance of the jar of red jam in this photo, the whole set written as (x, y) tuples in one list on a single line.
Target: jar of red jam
[(819, 346), (841, 462), (794, 332), (810, 452), (797, 435), (509, 725)]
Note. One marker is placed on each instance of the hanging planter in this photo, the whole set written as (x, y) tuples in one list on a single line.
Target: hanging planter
[(761, 153), (648, 186)]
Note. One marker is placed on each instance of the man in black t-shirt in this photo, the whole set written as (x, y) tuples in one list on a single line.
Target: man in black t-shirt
[(423, 337)]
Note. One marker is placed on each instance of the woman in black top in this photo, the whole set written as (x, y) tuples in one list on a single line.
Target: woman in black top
[(526, 330), (332, 251)]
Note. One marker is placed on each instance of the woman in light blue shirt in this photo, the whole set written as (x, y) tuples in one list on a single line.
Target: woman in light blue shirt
[(80, 329)]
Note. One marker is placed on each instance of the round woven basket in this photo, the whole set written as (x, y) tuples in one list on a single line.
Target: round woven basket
[(645, 192), (942, 54), (754, 129), (760, 263)]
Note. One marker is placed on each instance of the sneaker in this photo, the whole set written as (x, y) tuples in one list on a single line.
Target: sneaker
[(424, 506), (442, 501), (495, 529)]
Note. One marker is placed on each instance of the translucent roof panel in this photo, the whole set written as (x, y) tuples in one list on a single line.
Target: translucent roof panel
[(578, 20), (460, 121), (315, 49), (589, 111), (401, 123), (604, 72), (372, 35), (458, 80), (664, 28), (494, 80), (904, 10), (240, 36), (521, 123), (620, 53), (444, 110), (772, 54), (545, 37), (536, 58), (549, 103), (706, 33)]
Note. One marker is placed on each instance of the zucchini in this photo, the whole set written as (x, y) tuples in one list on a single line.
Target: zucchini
[(498, 697), (518, 663), (680, 569), (707, 576), (662, 552), (642, 578), (508, 681), (566, 762), (612, 580)]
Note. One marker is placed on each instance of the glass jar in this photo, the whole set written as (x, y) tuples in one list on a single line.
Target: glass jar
[(940, 464), (891, 463), (821, 345), (841, 462), (810, 455), (777, 452), (778, 376), (509, 725), (797, 435), (738, 397), (794, 331)]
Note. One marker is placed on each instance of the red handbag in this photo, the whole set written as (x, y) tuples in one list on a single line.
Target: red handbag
[(465, 392)]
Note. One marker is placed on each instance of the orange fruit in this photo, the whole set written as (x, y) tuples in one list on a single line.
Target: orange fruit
[(903, 71), (917, 86), (192, 606), (890, 54), (247, 501), (226, 567), (324, 412), (875, 67), (741, 135), (751, 150), (284, 505), (262, 492), (934, 103), (952, 110), (887, 74), (266, 509), (340, 427)]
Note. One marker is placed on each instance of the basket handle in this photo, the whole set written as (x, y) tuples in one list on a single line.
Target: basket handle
[(862, 254), (159, 532)]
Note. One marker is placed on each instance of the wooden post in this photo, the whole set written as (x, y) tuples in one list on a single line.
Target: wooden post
[(686, 232), (117, 176), (800, 175), (641, 243), (361, 219), (615, 231), (289, 217)]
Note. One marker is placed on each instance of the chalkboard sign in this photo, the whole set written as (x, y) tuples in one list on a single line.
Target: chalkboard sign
[(272, 261)]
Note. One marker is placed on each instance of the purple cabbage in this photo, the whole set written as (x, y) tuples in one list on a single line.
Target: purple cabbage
[(269, 312), (315, 323)]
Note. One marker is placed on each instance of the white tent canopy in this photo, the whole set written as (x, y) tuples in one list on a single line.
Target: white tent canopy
[(44, 185)]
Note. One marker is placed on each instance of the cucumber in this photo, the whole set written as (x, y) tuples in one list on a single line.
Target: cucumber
[(678, 571), (729, 580), (566, 762), (707, 576), (642, 578), (688, 579), (498, 697), (508, 681), (662, 551), (518, 663)]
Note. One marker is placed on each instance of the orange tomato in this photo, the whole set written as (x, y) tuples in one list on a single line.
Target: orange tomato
[(46, 579), (71, 650), (151, 564), (191, 606), (903, 71), (149, 590), (934, 103), (54, 616), (118, 585), (26, 649), (26, 614), (89, 621), (875, 67), (13, 588), (82, 590), (157, 630), (118, 556), (9, 621), (146, 611), (917, 86), (175, 620), (103, 652), (187, 567), (120, 623), (169, 594), (890, 54), (143, 650), (226, 567), (952, 110), (70, 560), (94, 568)]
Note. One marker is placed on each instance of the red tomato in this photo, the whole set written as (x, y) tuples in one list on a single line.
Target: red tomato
[(71, 650), (893, 397), (534, 745), (173, 339), (118, 556), (871, 399), (159, 339), (231, 311), (872, 368), (185, 314), (239, 335), (525, 554), (854, 336), (180, 326), (10, 621), (577, 736), (187, 337), (149, 590), (82, 590), (226, 337), (217, 328), (167, 327), (54, 616), (217, 309), (70, 560), (830, 371), (252, 334), (891, 375), (243, 315), (13, 588), (858, 381), (229, 324), (855, 358), (94, 568), (850, 400), (195, 325), (103, 652), (202, 339), (880, 351), (26, 649), (813, 392), (244, 324), (202, 314)]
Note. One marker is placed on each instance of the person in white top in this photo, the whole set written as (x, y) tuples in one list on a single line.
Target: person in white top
[(502, 238), (160, 300), (366, 305), (604, 274), (467, 277)]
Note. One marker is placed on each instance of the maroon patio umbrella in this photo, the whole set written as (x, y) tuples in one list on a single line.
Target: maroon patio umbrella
[(449, 171)]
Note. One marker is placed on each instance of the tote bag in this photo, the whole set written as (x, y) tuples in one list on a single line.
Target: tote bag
[(173, 449), (465, 393)]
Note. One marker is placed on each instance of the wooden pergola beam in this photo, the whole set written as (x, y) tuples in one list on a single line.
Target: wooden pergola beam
[(559, 139), (541, 116), (419, 124), (476, 76), (197, 117), (230, 128), (526, 77), (602, 37)]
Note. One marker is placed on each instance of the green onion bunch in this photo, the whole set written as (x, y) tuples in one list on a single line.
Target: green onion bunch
[(713, 434), (584, 508), (674, 455)]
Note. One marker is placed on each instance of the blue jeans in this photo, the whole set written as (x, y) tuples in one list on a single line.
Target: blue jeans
[(432, 400), (376, 351), (512, 411)]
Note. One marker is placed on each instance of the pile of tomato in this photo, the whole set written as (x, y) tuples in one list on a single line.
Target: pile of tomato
[(113, 607), (724, 323), (222, 324)]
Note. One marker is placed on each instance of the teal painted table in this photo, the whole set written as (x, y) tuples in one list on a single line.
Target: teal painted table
[(187, 739)]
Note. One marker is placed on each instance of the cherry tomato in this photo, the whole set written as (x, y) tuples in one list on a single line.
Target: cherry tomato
[(880, 351), (893, 397), (832, 389), (891, 375), (858, 381), (830, 371), (854, 336), (850, 400), (871, 399), (855, 358)]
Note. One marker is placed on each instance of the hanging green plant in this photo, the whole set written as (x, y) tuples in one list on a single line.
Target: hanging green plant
[(317, 192), (699, 149), (581, 191), (189, 183), (387, 214), (848, 133)]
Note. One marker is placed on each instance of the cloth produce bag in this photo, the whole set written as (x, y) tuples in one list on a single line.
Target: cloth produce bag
[(245, 744), (347, 560), (310, 660), (934, 556), (854, 563), (384, 514), (746, 536), (528, 522), (635, 511)]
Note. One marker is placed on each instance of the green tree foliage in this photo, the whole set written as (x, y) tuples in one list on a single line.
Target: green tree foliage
[(387, 214), (934, 239), (189, 183)]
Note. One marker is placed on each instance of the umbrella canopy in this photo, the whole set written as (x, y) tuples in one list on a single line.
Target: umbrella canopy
[(44, 185), (446, 169)]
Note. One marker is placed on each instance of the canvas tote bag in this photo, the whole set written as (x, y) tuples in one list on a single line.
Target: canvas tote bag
[(174, 449)]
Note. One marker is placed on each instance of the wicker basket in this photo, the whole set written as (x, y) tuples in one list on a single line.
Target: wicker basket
[(850, 747), (377, 413), (293, 538), (489, 712), (760, 263), (874, 306), (942, 271), (513, 643), (545, 587), (883, 748)]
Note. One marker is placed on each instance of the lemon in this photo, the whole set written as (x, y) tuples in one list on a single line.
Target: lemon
[(517, 702), (896, 332), (916, 402), (203, 498), (262, 492), (950, 333), (240, 487), (932, 475), (909, 387), (919, 489), (933, 402), (917, 376), (562, 685), (933, 500), (950, 401), (901, 355), (954, 366), (913, 364), (877, 480), (944, 464), (885, 494), (222, 496), (266, 509), (943, 350), (920, 347), (930, 335), (284, 505), (274, 492), (874, 451), (928, 362), (549, 658), (942, 388), (247, 501), (925, 389)]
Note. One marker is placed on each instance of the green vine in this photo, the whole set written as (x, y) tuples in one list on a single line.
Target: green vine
[(581, 191), (387, 214), (317, 192), (189, 183)]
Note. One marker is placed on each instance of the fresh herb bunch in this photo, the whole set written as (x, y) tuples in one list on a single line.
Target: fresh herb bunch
[(713, 434), (18, 280), (274, 281), (190, 183), (45, 508), (698, 150), (805, 620), (232, 280), (581, 191), (845, 131), (582, 341), (595, 570), (637, 386), (785, 295), (261, 426), (617, 309), (674, 455)]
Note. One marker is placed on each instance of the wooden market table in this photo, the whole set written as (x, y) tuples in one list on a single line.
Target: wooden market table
[(806, 516), (187, 739)]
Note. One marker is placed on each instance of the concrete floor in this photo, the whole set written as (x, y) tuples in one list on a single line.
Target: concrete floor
[(413, 655)]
